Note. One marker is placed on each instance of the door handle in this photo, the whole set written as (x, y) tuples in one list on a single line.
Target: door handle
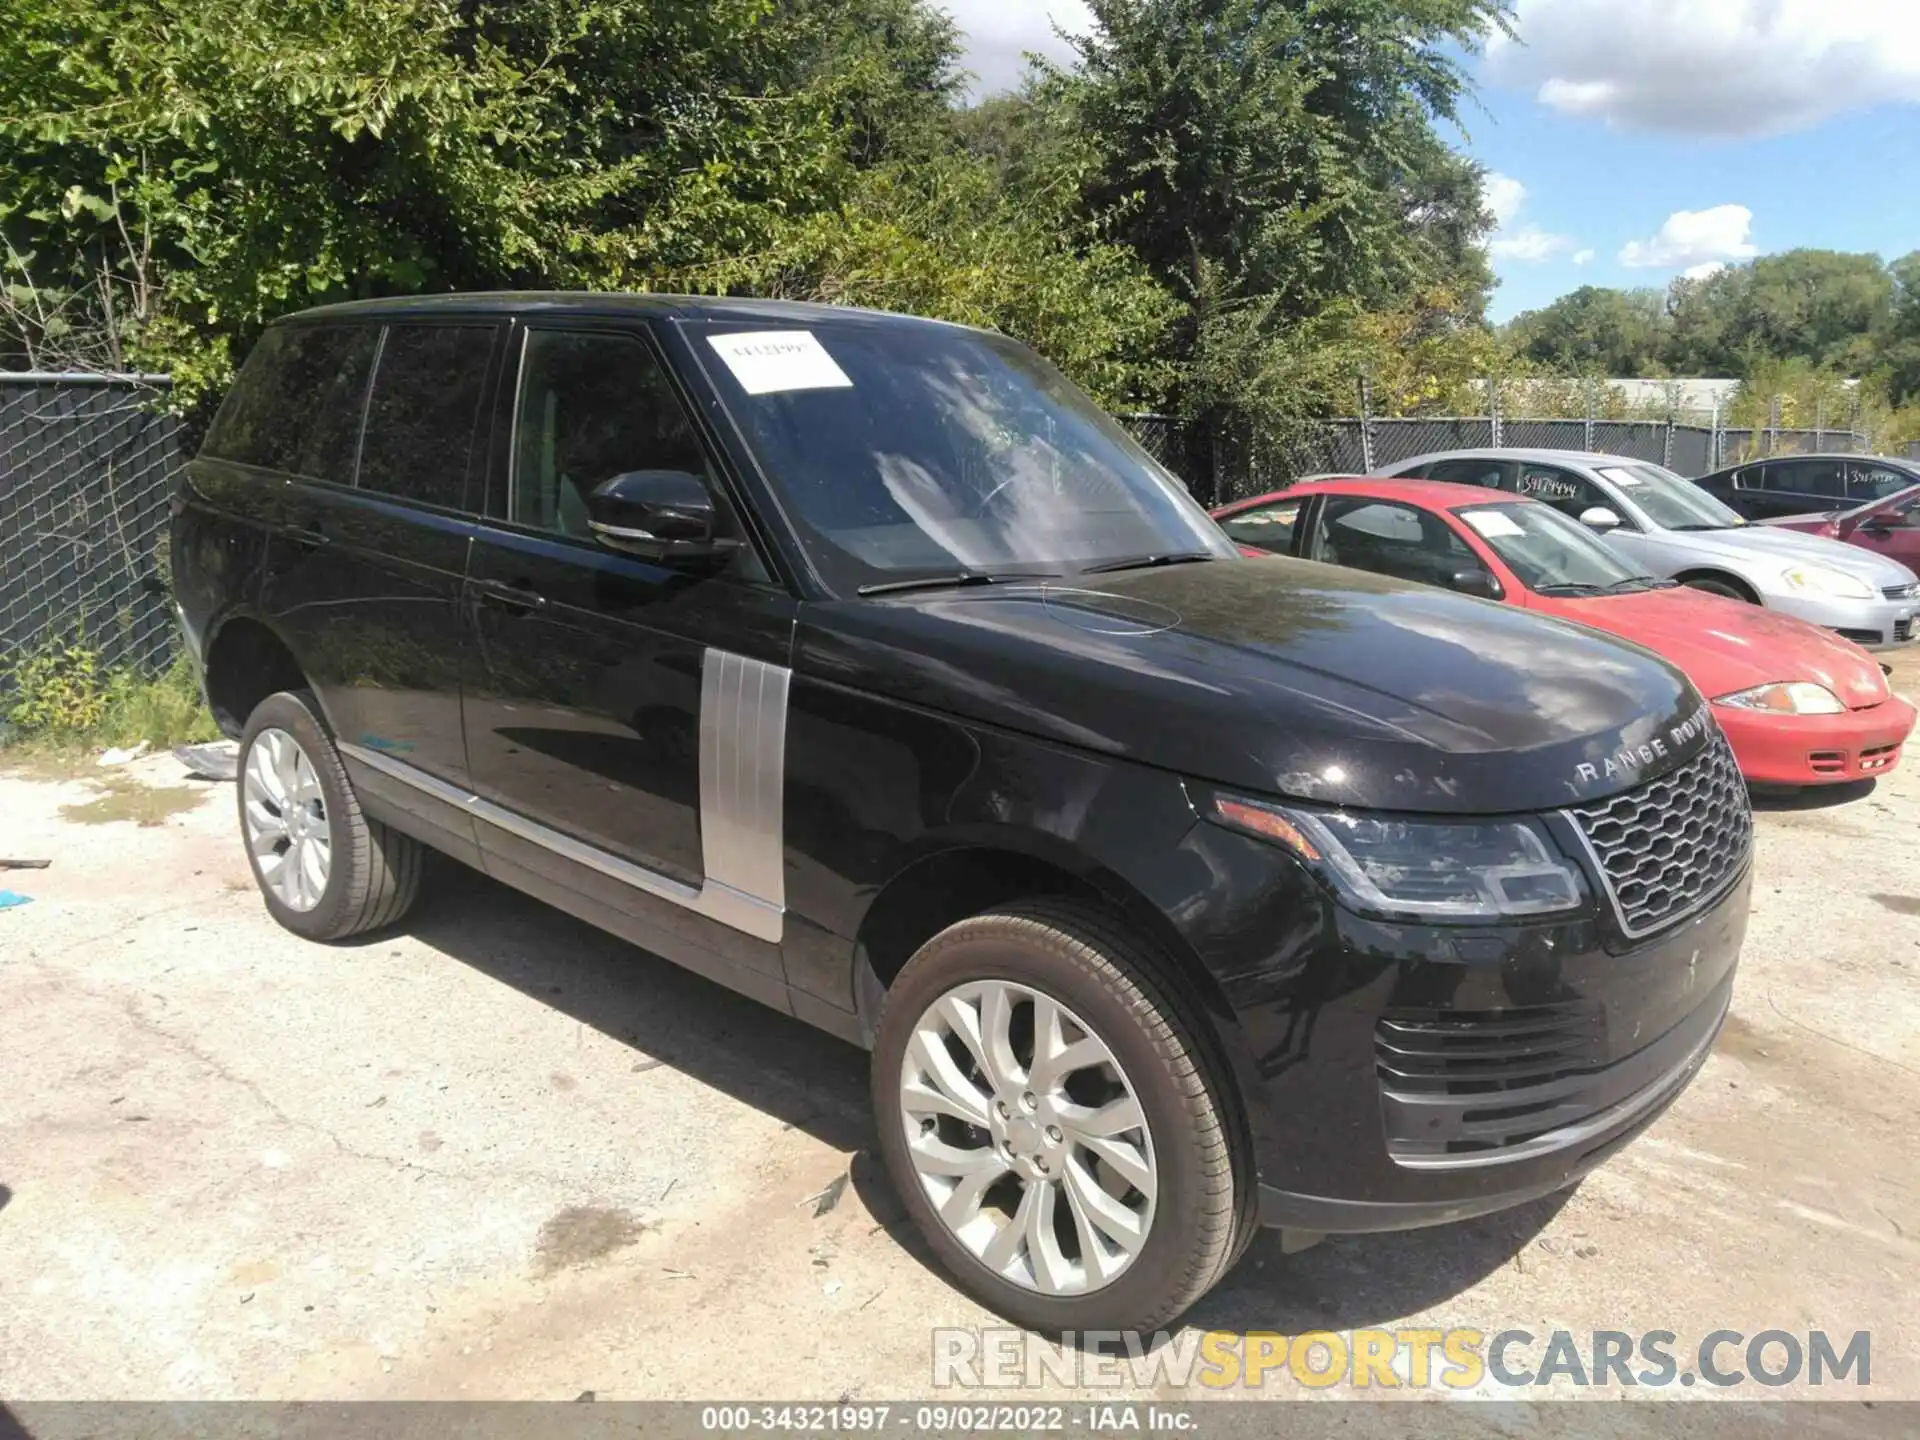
[(518, 596)]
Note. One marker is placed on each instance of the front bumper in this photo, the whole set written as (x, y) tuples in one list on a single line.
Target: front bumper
[(1817, 749), (1396, 1076), (1875, 624)]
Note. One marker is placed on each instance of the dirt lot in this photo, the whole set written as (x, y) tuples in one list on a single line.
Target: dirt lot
[(501, 1155)]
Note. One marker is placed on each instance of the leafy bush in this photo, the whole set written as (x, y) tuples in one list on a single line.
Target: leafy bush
[(56, 687), (58, 695)]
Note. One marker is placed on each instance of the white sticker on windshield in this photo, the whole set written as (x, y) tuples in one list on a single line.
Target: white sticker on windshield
[(1491, 523), (1622, 477), (766, 362)]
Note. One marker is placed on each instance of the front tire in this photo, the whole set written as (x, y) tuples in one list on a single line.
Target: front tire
[(325, 869), (1054, 1125)]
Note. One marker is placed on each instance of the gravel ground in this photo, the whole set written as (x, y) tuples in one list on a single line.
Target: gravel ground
[(498, 1154)]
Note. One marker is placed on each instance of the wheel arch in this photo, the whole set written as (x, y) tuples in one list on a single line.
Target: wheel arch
[(1723, 577), (976, 872), (247, 660)]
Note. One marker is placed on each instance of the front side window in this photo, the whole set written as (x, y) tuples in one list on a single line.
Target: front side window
[(296, 405), (1565, 491), (423, 412), (899, 451), (1389, 539), (1552, 554), (591, 406), (1665, 499), (1867, 483), (1265, 527)]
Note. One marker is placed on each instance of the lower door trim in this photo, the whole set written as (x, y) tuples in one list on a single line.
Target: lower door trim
[(715, 899)]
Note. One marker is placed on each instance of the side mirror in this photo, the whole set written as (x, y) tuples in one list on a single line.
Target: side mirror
[(1600, 519), (1477, 582), (656, 514)]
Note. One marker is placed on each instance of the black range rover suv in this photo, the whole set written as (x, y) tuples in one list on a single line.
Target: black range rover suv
[(860, 663)]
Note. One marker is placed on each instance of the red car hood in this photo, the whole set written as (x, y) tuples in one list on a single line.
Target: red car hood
[(1725, 645)]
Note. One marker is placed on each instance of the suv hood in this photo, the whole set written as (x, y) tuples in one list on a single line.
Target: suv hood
[(1777, 548), (1281, 677)]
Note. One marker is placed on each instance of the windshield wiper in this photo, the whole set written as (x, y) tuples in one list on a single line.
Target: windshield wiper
[(1571, 587), (1639, 582), (957, 580), (1149, 562)]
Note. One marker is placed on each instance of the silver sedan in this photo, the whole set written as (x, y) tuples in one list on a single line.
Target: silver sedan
[(1679, 531)]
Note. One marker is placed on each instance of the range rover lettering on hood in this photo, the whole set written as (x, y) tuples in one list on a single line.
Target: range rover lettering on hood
[(1653, 755)]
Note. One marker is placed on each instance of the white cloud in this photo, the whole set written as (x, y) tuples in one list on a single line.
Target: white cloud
[(996, 34), (1706, 271), (1504, 197), (1530, 245), (1693, 239), (1527, 244), (1583, 257), (1712, 67)]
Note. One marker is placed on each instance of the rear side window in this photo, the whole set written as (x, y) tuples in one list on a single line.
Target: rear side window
[(296, 405), (423, 412), (1487, 474), (1807, 477)]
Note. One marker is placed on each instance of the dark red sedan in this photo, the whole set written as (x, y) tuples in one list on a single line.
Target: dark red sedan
[(1889, 527), (1800, 705)]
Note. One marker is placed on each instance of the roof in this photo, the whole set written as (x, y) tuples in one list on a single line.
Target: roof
[(1540, 456), (593, 302), (1898, 462), (1438, 494)]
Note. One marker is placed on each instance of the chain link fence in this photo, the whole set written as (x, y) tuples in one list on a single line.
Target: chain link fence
[(86, 469), (1236, 467), (87, 465)]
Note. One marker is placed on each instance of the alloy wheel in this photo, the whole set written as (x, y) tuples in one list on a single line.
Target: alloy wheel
[(1028, 1138), (286, 820)]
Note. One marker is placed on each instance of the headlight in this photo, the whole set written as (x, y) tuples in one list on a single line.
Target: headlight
[(1442, 870), (1799, 697), (1819, 580)]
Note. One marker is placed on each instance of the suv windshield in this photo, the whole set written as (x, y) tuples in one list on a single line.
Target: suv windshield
[(1666, 499), (914, 450), (1550, 553)]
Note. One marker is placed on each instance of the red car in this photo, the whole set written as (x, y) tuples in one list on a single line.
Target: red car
[(1801, 705), (1889, 527)]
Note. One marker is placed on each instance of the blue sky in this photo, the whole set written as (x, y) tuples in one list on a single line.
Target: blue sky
[(1630, 141)]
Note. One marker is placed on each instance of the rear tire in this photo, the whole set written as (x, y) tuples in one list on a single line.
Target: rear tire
[(1147, 1217), (324, 868)]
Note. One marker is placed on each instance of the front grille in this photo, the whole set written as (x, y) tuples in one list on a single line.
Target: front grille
[(1898, 592), (1903, 630), (1861, 637), (1669, 847)]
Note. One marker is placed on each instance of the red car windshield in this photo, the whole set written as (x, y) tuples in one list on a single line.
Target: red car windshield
[(1551, 554)]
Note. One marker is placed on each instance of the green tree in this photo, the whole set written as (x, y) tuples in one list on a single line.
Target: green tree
[(215, 162), (1276, 166), (1595, 331), (1900, 347)]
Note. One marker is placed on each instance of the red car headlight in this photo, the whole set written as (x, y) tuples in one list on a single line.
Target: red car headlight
[(1796, 697)]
